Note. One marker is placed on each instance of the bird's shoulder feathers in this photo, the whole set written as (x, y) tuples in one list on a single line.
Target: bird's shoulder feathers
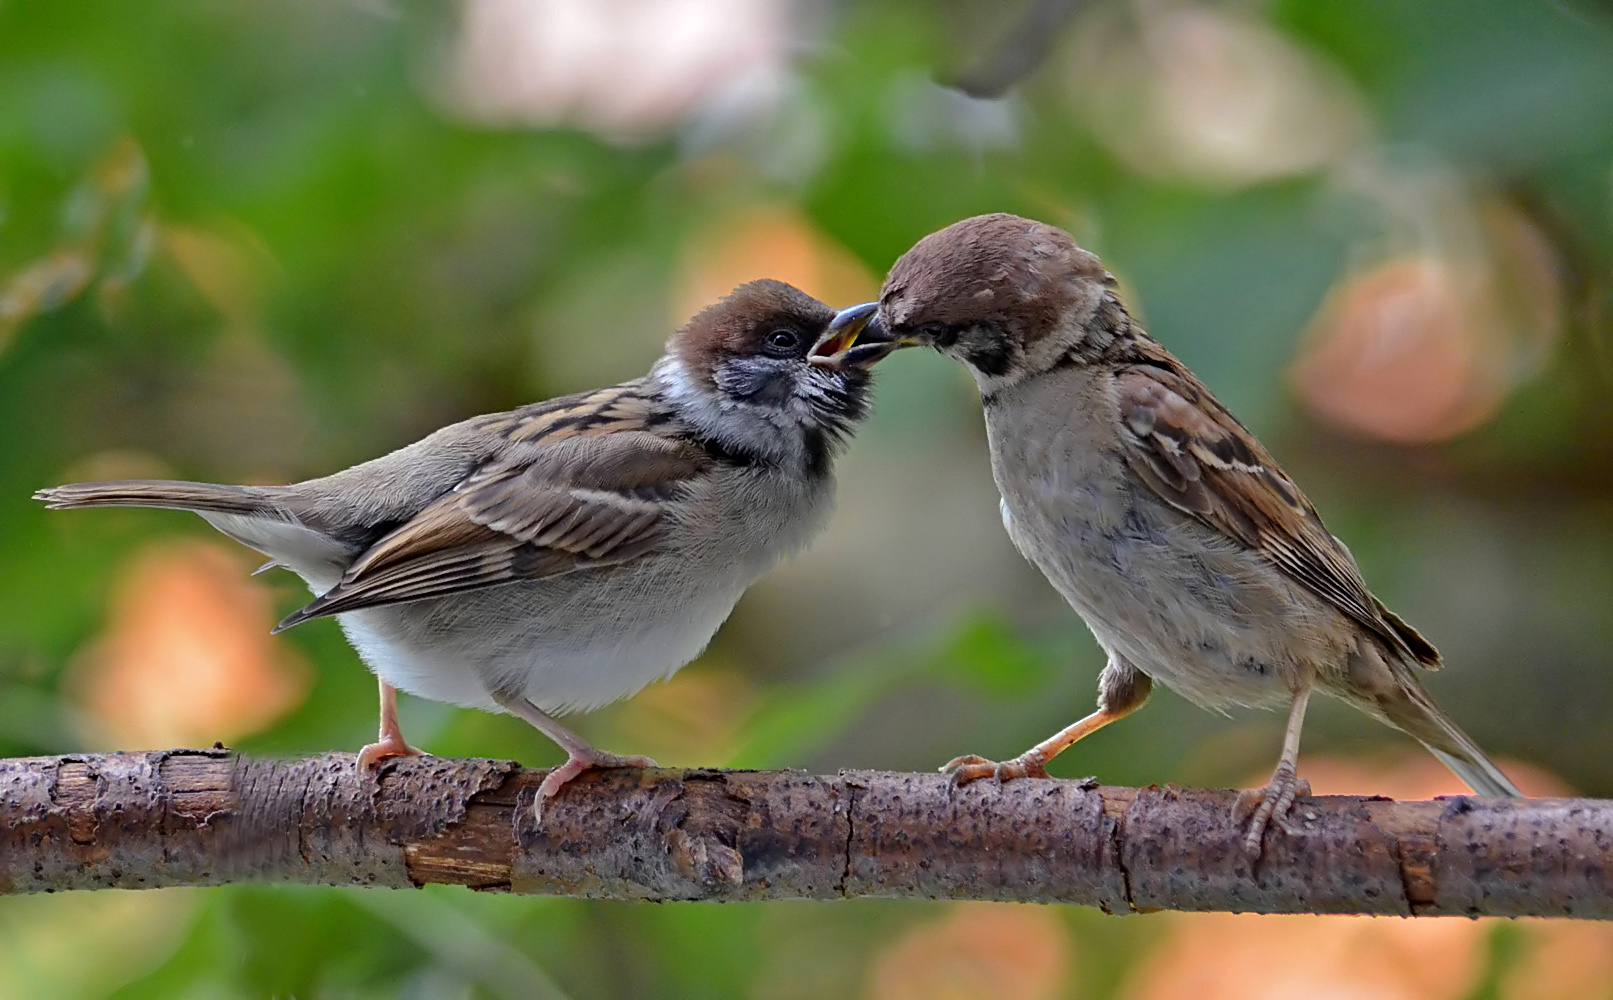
[(1194, 454), (576, 483)]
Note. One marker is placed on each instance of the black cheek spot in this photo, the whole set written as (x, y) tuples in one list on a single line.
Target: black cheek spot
[(819, 452), (990, 358), (754, 381)]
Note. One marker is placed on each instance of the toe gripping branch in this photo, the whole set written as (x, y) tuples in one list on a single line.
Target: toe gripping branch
[(144, 820)]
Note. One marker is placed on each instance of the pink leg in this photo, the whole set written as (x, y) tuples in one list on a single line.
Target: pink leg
[(1122, 689), (1033, 762), (1278, 796), (579, 755), (391, 743)]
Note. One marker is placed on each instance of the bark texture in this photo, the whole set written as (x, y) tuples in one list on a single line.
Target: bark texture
[(205, 817)]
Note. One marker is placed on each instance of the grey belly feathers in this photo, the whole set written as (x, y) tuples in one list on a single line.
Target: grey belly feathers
[(591, 637), (1195, 617), (574, 641)]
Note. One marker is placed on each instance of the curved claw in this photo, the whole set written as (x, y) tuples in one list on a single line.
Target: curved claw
[(1268, 805), (383, 750), (972, 767), (575, 765)]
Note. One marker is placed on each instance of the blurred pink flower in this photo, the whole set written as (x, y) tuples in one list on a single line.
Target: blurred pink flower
[(1210, 94), (623, 68), (1425, 346)]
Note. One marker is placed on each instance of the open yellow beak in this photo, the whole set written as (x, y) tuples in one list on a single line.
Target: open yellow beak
[(856, 338)]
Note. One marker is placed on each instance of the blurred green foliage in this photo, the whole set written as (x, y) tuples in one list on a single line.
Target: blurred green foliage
[(261, 243)]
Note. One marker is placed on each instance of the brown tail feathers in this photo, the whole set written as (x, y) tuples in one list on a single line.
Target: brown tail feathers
[(167, 494), (1414, 713)]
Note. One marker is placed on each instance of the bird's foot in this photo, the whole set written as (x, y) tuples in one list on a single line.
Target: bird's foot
[(576, 764), (388, 746), (1265, 806), (972, 768)]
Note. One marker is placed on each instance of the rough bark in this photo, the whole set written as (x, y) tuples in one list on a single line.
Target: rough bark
[(199, 817)]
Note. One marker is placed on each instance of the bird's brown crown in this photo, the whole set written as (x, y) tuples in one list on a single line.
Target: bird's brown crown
[(1021, 278), (764, 317)]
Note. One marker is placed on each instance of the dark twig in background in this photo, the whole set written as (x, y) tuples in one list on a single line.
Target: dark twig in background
[(189, 817), (1020, 52)]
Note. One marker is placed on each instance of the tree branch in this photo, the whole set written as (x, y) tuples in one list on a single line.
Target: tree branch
[(200, 817)]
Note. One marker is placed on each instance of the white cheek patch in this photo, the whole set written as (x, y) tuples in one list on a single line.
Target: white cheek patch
[(674, 378), (757, 430)]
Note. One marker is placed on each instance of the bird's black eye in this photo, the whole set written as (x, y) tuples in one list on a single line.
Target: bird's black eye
[(940, 334), (782, 343)]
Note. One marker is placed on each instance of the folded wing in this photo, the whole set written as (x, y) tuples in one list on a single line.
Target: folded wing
[(1195, 455), (570, 501)]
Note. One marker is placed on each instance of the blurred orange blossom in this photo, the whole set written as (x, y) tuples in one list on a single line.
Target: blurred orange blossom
[(769, 242), (186, 657), (979, 951)]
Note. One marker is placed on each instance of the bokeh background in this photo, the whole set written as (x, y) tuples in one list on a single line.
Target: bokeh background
[(260, 242)]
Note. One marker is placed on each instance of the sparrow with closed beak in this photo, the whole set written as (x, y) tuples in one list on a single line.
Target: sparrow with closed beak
[(1193, 558), (565, 554)]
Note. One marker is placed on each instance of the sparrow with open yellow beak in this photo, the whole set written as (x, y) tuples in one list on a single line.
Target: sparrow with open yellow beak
[(1193, 558), (565, 554)]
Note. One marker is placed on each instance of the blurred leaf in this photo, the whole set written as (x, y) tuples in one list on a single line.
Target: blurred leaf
[(794, 720), (1509, 85), (989, 656)]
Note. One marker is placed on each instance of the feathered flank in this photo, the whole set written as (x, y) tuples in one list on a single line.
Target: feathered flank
[(564, 554), (1195, 454), (581, 502), (1193, 557)]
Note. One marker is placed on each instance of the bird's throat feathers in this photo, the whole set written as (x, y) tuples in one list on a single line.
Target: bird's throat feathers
[(794, 420)]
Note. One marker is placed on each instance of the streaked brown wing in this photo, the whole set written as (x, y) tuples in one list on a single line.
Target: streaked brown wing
[(1196, 455), (589, 490)]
